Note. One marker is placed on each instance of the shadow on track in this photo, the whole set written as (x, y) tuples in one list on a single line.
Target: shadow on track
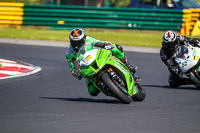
[(157, 86), (80, 99), (168, 87)]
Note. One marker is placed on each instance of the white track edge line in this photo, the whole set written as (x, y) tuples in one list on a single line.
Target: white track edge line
[(37, 69)]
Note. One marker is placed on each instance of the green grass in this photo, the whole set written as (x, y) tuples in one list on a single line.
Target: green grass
[(143, 38), (123, 37)]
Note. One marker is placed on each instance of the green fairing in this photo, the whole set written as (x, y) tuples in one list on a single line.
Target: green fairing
[(87, 71), (104, 57)]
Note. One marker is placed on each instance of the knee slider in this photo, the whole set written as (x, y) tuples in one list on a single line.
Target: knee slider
[(174, 81), (93, 91)]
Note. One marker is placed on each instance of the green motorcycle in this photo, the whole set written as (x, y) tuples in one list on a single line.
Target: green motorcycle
[(109, 75)]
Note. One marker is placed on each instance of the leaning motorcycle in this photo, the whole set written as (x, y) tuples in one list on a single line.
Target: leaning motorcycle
[(187, 57), (109, 75)]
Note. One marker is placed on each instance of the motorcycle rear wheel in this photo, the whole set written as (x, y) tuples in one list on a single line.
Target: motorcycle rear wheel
[(115, 90)]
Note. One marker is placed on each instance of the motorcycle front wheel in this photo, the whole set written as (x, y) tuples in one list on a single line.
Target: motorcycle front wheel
[(140, 96), (115, 90)]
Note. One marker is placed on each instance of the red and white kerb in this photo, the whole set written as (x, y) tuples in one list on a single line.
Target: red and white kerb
[(9, 69)]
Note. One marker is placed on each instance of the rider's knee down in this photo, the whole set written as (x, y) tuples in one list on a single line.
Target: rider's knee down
[(93, 91), (174, 81), (173, 84)]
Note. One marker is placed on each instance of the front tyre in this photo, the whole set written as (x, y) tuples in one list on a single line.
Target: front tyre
[(140, 96), (115, 90)]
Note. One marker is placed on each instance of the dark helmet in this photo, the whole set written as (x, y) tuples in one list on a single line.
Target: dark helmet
[(169, 40), (77, 39)]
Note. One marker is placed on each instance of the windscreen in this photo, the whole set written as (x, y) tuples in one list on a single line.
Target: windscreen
[(182, 52), (82, 51)]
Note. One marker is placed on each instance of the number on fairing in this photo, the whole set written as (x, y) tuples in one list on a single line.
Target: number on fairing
[(184, 64), (88, 57)]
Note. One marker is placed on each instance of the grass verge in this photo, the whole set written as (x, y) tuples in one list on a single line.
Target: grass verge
[(143, 38), (123, 37)]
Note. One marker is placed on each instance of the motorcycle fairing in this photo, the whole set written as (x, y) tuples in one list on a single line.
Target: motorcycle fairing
[(101, 59), (188, 60)]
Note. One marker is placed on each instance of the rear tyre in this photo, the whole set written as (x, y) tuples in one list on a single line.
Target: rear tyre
[(140, 96), (115, 90)]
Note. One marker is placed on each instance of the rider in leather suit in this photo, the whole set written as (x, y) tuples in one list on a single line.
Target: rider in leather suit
[(77, 40), (169, 44)]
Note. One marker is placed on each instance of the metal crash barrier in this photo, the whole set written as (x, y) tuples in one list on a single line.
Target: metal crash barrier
[(11, 14), (68, 17), (65, 17)]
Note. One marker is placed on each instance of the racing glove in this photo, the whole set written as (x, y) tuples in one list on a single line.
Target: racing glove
[(196, 41), (181, 38), (109, 47), (105, 45)]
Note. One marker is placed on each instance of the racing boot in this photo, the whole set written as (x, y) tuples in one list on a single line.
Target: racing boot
[(137, 79), (131, 67)]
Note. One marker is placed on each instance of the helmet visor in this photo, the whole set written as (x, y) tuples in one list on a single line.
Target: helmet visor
[(171, 45), (76, 45)]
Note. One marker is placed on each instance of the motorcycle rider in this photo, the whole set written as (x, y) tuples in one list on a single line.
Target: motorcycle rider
[(78, 39), (169, 44)]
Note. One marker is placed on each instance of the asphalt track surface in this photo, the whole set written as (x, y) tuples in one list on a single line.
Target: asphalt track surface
[(52, 101)]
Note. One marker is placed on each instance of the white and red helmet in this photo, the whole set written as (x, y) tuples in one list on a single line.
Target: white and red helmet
[(169, 39)]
